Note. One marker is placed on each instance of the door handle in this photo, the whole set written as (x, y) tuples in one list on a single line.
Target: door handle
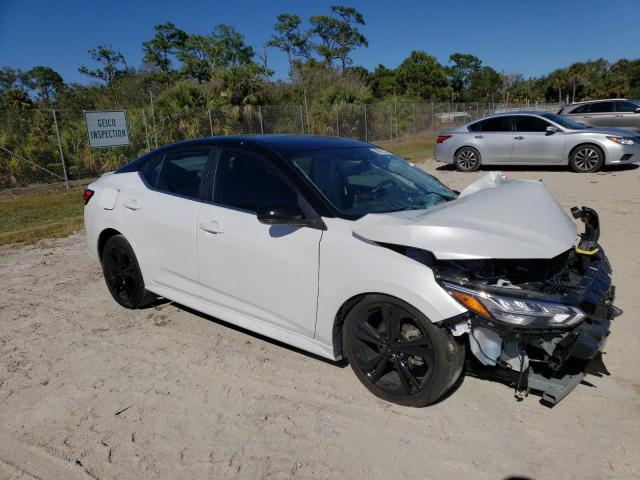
[(478, 136), (587, 116), (211, 227), (619, 115), (131, 204), (518, 138)]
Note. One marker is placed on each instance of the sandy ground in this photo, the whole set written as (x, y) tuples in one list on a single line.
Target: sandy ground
[(90, 390)]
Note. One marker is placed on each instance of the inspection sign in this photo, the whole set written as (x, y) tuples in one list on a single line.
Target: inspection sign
[(107, 128)]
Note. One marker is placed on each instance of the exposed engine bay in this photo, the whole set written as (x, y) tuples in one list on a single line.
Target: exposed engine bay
[(532, 323)]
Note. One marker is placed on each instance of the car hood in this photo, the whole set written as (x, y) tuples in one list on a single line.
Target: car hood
[(492, 218)]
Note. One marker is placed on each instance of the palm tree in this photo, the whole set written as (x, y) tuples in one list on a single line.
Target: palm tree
[(577, 72)]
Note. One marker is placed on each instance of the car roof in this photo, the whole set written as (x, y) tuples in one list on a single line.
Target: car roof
[(510, 114), (278, 142), (601, 100)]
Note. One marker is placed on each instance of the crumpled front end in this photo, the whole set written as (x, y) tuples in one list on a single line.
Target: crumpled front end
[(536, 324)]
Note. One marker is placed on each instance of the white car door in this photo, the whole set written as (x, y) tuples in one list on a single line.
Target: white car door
[(162, 216), (266, 273), (533, 144)]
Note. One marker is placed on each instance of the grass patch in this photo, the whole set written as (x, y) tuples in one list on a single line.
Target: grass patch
[(415, 149), (26, 217)]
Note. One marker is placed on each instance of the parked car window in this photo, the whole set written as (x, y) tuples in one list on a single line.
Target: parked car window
[(496, 124), (151, 169), (181, 172), (628, 107), (564, 122), (581, 108), (246, 182), (531, 124), (601, 107)]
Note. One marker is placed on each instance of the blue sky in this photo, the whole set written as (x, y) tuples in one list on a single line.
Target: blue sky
[(529, 37)]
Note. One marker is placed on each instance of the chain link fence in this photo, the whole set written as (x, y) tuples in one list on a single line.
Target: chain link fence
[(43, 146)]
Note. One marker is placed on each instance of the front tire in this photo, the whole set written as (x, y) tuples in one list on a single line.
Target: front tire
[(586, 158), (467, 159), (398, 354), (122, 274)]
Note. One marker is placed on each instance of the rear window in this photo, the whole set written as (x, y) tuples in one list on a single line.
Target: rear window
[(601, 107), (181, 172), (496, 124)]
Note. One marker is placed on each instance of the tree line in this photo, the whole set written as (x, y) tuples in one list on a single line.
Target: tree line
[(222, 69)]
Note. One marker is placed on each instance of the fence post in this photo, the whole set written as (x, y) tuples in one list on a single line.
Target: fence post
[(433, 116), (390, 122), (366, 129), (337, 121), (210, 122), (146, 129), (302, 118), (153, 120), (413, 118), (261, 121), (64, 167), (477, 110)]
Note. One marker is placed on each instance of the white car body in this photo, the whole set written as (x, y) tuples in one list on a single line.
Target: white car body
[(289, 282)]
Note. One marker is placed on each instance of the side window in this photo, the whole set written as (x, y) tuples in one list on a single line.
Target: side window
[(182, 172), (581, 109), (530, 124), (151, 169), (246, 182), (626, 107), (496, 124), (601, 107)]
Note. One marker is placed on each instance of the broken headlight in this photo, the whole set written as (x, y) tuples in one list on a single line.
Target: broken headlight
[(520, 311)]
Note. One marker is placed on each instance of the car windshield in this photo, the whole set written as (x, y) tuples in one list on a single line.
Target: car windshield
[(565, 122), (362, 180)]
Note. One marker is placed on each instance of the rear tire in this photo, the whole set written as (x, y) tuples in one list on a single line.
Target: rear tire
[(587, 158), (122, 274), (467, 159), (398, 354)]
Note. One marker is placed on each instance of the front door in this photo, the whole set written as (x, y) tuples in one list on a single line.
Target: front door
[(267, 273), (533, 144), (627, 116)]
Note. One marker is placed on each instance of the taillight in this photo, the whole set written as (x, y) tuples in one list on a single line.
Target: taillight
[(87, 194), (442, 138)]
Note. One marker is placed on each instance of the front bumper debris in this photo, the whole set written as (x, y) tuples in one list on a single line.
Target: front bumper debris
[(551, 362)]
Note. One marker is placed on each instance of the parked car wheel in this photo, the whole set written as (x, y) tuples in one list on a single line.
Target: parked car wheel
[(398, 354), (467, 159), (122, 274), (586, 158)]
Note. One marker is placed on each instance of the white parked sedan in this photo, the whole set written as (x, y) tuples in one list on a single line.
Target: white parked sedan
[(535, 138), (344, 250)]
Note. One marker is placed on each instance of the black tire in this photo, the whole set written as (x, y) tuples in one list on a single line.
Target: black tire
[(398, 354), (467, 159), (122, 274), (586, 158)]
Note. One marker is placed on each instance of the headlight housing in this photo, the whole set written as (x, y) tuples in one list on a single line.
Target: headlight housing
[(621, 140), (515, 310)]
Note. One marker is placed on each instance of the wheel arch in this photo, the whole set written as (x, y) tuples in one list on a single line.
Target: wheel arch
[(105, 235), (588, 143)]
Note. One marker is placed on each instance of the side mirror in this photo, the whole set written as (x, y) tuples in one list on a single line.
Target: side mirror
[(551, 129), (280, 213)]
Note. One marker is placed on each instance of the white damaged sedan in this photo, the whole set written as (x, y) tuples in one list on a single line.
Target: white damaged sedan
[(344, 250)]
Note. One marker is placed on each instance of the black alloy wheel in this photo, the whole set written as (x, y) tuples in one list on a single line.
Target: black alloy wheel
[(398, 354), (122, 274)]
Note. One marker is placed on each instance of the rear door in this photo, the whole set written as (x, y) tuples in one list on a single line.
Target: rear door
[(162, 217), (533, 144), (493, 138), (265, 273), (626, 115), (600, 114)]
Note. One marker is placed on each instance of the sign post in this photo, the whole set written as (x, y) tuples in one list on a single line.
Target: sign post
[(107, 128)]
